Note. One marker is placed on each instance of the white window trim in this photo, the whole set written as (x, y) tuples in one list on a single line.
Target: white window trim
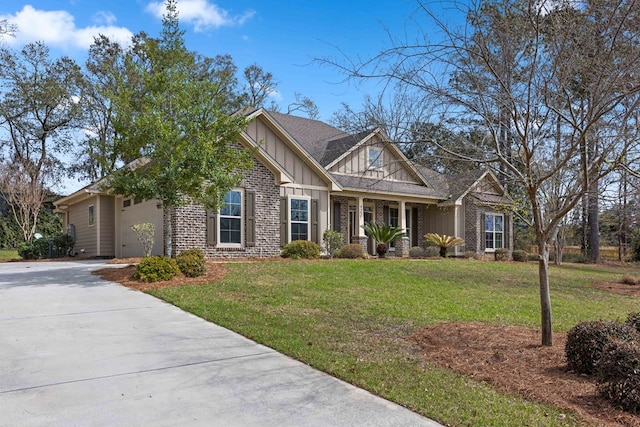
[(484, 232), (91, 223), (242, 221), (375, 159), (392, 246), (289, 222)]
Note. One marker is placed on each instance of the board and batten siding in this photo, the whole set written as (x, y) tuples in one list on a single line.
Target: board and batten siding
[(439, 220), (283, 154), (357, 162)]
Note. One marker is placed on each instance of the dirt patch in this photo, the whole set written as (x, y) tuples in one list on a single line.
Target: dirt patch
[(508, 357), (619, 288), (124, 275), (512, 359)]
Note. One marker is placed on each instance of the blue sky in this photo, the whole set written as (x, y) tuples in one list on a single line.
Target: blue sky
[(281, 36)]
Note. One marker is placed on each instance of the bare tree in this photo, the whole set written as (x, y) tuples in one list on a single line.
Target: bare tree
[(552, 50), (259, 85), (38, 110), (24, 197), (305, 105)]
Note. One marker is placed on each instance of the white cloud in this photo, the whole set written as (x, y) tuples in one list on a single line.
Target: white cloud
[(201, 14), (57, 28)]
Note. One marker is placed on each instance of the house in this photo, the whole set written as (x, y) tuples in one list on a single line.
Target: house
[(307, 177)]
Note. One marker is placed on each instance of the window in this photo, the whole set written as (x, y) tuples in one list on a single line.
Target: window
[(126, 203), (394, 222), (375, 157), (493, 231), (92, 216), (230, 219), (299, 218)]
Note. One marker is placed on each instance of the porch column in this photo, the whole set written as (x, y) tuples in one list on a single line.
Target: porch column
[(361, 236), (403, 244)]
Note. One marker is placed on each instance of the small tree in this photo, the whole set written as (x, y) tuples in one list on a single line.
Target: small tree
[(444, 242), (333, 241), (383, 235), (145, 233)]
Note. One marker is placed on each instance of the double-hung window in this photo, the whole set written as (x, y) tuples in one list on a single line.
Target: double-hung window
[(299, 218), (92, 216), (493, 231), (230, 219)]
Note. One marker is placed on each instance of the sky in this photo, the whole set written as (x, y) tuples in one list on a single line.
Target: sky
[(283, 37)]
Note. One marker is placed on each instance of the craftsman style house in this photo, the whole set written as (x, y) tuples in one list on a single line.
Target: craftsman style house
[(307, 177)]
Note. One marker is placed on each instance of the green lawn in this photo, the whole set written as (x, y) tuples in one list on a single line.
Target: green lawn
[(6, 255), (350, 317)]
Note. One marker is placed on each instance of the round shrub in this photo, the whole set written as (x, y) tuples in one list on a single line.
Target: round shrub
[(298, 249), (501, 254), (617, 374), (156, 268), (432, 251), (36, 249), (352, 251), (520, 255), (587, 340), (416, 252), (191, 262)]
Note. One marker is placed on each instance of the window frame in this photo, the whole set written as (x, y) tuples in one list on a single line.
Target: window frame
[(290, 220), (91, 212), (493, 231), (242, 218), (374, 161)]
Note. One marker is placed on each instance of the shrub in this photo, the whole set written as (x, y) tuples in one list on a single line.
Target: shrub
[(352, 250), (443, 242), (633, 319), (145, 233), (587, 340), (501, 254), (63, 244), (36, 249), (333, 241), (431, 251), (156, 268), (191, 262), (416, 252), (627, 279), (617, 374), (301, 249), (520, 255)]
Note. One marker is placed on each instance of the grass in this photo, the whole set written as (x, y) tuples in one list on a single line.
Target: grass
[(8, 254), (350, 318)]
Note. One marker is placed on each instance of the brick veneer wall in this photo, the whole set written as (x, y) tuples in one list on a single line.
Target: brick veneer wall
[(189, 222)]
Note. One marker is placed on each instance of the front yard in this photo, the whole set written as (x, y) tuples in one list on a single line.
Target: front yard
[(387, 325)]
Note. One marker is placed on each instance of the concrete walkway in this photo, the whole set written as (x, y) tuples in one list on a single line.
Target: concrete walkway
[(79, 351)]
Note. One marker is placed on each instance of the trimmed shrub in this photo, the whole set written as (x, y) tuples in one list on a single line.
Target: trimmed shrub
[(520, 255), (352, 250), (501, 254), (333, 241), (301, 249), (156, 268), (617, 374), (431, 251), (191, 262), (586, 342), (416, 252)]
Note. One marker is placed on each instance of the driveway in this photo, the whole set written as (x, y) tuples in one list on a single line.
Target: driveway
[(79, 351)]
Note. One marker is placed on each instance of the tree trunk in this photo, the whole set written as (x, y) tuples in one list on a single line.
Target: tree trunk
[(545, 297), (593, 246)]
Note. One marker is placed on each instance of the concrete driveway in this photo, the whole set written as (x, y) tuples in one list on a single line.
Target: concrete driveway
[(79, 351)]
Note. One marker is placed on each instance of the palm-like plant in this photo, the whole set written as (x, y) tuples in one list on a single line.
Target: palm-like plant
[(384, 235), (443, 241)]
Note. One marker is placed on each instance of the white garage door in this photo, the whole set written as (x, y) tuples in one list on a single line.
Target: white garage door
[(137, 213)]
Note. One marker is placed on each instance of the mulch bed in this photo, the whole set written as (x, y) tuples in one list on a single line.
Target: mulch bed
[(509, 358)]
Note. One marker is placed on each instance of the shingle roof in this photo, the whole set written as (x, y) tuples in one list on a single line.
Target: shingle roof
[(323, 142), (351, 182)]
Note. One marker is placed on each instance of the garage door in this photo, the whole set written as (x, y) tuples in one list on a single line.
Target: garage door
[(137, 212)]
